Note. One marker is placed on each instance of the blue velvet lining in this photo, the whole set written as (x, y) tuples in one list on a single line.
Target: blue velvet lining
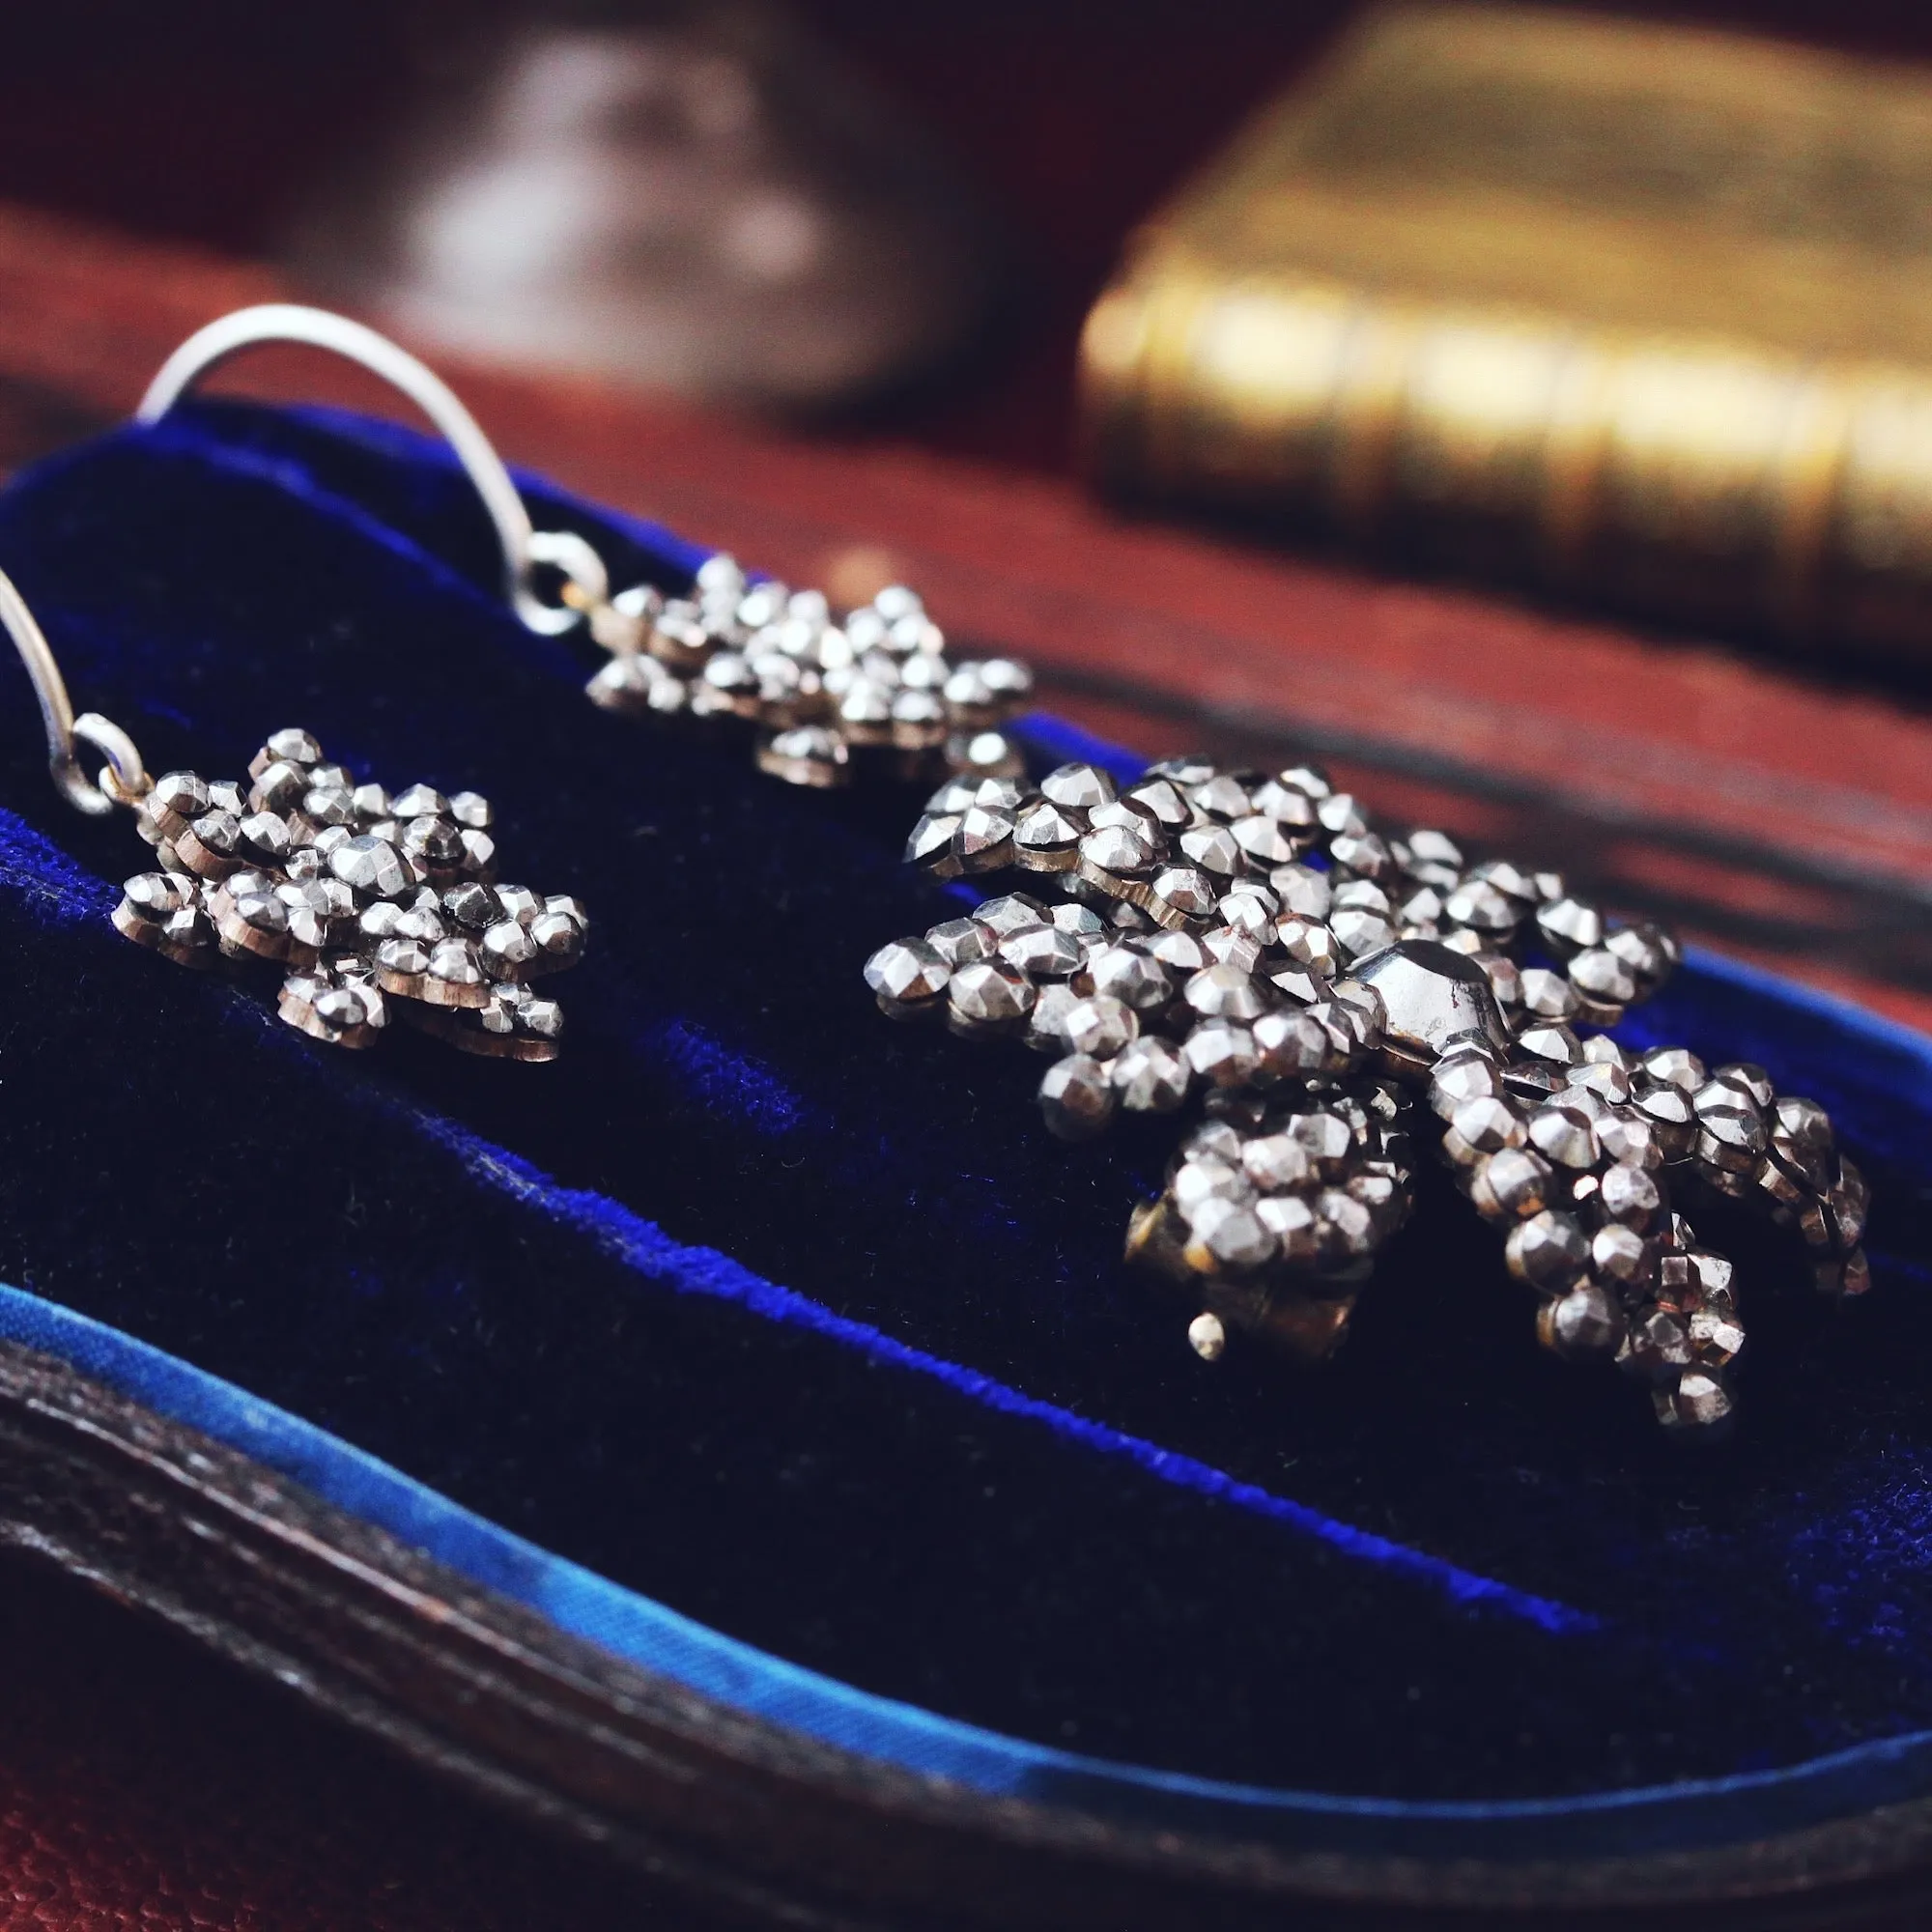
[(576, 1599), (799, 1325)]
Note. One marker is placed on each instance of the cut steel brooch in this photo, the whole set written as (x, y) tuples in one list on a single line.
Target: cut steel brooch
[(370, 903), (1324, 990)]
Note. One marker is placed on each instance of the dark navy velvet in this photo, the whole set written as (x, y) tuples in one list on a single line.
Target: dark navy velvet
[(799, 1321)]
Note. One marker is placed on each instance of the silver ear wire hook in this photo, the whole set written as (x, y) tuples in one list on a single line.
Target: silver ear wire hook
[(124, 780), (524, 547)]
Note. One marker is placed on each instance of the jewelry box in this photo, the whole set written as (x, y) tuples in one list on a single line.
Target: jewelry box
[(742, 1440)]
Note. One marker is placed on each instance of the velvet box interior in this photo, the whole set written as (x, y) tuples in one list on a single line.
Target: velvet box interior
[(759, 1312)]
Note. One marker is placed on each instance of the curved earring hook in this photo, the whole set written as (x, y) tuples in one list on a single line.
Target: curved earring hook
[(524, 547), (125, 780)]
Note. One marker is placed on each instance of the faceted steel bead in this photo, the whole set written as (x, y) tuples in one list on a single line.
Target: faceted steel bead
[(1548, 1251), (1012, 915), (1045, 836), (1077, 1096), (1360, 933), (1295, 1046), (1546, 995), (1228, 946), (1078, 786), (1081, 924), (1042, 952), (1648, 950), (1225, 992), (907, 975), (1207, 1337), (1431, 996), (1100, 1026), (988, 996), (1222, 1054), (1046, 1024), (1303, 893), (1131, 976), (1255, 946), (1114, 849), (1152, 1077), (351, 891), (1583, 1325), (1483, 908), (1563, 1135), (1480, 1126), (1552, 1042), (1180, 893), (1569, 925), (1250, 911), (1802, 1143), (1505, 981), (1462, 1076), (1511, 1185), (1213, 848)]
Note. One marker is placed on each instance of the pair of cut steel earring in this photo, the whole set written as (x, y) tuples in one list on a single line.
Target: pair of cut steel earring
[(1332, 998)]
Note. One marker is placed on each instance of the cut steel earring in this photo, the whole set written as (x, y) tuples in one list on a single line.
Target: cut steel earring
[(369, 903), (1331, 1000), (822, 697)]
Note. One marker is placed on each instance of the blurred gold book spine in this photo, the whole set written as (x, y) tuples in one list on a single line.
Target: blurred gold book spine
[(1640, 312)]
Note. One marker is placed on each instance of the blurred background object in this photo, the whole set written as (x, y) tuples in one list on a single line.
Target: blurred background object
[(224, 121), (1640, 311), (233, 126), (693, 197)]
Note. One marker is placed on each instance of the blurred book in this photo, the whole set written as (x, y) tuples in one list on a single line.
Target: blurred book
[(1636, 311)]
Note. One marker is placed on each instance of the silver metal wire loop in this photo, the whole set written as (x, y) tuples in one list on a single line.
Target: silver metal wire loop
[(124, 780), (523, 548), (566, 552)]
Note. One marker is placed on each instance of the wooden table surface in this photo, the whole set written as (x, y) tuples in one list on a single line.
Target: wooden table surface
[(1769, 809)]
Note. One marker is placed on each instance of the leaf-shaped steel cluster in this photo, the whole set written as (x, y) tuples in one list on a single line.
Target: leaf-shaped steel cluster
[(371, 903), (821, 696), (1332, 998)]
